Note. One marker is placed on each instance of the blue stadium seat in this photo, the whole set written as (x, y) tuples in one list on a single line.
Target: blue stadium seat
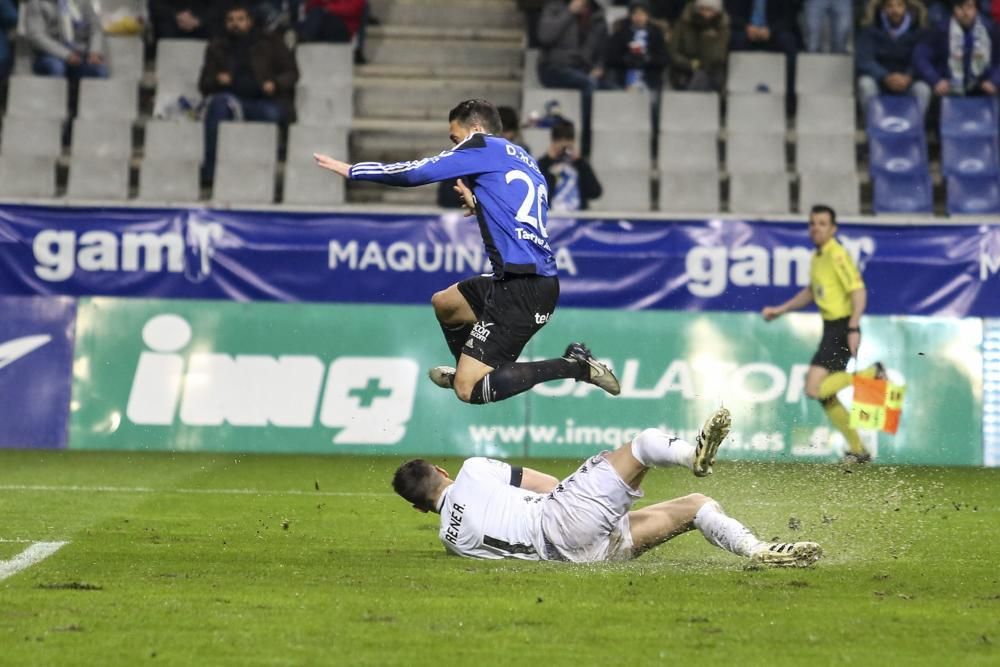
[(897, 154), (978, 194), (969, 117), (894, 115), (903, 193), (969, 155)]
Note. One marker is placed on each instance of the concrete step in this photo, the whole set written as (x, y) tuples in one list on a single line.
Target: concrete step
[(514, 37), (433, 53), (510, 71), (449, 13), (429, 99), (398, 144)]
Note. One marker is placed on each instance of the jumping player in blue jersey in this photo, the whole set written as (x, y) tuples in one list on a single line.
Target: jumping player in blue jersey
[(487, 320)]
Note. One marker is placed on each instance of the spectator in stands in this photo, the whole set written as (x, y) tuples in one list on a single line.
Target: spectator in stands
[(67, 38), (570, 178), (939, 11), (249, 74), (768, 25), (637, 52), (447, 196), (962, 55), (8, 20), (574, 35), (335, 21), (180, 19), (699, 47), (841, 15), (891, 30)]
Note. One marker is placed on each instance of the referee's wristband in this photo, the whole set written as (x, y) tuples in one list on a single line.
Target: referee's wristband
[(853, 329)]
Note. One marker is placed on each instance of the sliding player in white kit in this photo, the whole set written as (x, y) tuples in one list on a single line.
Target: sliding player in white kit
[(493, 510)]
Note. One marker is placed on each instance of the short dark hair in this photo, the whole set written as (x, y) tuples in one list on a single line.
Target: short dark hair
[(823, 208), (482, 112), (508, 119), (416, 480), (563, 129), (238, 7)]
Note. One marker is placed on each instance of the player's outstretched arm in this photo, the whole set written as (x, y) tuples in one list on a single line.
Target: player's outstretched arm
[(334, 165), (539, 482)]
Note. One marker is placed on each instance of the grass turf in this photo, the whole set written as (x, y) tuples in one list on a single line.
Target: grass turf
[(279, 560)]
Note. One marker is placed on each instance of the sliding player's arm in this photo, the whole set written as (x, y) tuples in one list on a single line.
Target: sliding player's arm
[(539, 482)]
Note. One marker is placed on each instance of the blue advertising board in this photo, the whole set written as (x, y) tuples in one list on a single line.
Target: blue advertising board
[(36, 362)]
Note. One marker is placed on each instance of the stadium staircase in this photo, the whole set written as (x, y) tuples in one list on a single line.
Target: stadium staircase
[(423, 57)]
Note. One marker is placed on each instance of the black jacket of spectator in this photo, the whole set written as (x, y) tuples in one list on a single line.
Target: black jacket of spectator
[(782, 15), (590, 187), (619, 58), (878, 55), (259, 57), (163, 15)]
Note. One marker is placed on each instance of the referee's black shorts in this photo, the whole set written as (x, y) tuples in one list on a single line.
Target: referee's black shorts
[(833, 353), (509, 312)]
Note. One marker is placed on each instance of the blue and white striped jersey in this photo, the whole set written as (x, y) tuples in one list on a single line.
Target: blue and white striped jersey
[(512, 199)]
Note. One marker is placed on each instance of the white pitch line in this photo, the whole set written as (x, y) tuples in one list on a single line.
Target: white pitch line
[(35, 553), (221, 492)]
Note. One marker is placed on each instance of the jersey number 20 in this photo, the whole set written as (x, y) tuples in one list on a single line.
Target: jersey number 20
[(541, 202)]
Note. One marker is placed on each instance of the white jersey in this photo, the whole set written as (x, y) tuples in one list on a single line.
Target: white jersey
[(485, 513)]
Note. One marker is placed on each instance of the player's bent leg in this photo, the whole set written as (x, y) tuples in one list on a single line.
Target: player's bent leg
[(652, 526), (470, 378), (451, 307), (814, 378)]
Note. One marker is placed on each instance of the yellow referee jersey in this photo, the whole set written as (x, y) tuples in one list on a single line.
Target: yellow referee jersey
[(833, 276)]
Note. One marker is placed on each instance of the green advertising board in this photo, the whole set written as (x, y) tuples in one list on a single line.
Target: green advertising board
[(310, 378)]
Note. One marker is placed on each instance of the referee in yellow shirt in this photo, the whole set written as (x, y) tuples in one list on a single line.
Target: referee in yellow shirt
[(840, 295)]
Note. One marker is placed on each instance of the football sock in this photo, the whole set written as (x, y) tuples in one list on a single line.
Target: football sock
[(724, 531), (655, 448), (512, 379), (833, 383), (841, 420), (456, 336)]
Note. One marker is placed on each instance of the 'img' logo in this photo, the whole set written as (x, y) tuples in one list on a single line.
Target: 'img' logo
[(369, 399)]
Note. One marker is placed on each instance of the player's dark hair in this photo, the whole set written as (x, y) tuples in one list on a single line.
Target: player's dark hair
[(416, 480), (471, 112), (508, 119), (823, 208), (563, 129)]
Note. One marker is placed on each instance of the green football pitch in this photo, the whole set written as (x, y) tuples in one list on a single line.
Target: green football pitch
[(190, 559)]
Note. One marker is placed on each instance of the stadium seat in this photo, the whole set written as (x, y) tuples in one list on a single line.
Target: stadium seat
[(170, 181), (125, 57), (304, 140), (244, 169), (753, 72), (825, 114), (98, 178), (240, 183), (825, 152), (537, 138), (837, 189), (903, 154), (101, 139), (27, 177), (969, 155), (179, 59), (324, 105), (249, 143), (755, 153), (894, 115), (325, 64), (755, 113), (689, 112), (903, 193), (968, 117), (39, 137), (307, 185), (37, 97), (689, 151), (615, 109), (614, 149), (689, 191), (969, 195), (824, 74), (529, 76), (624, 190), (568, 99), (172, 140), (758, 193), (109, 99)]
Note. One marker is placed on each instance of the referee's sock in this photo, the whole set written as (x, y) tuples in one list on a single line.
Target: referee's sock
[(833, 383), (512, 379), (841, 420), (455, 337)]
